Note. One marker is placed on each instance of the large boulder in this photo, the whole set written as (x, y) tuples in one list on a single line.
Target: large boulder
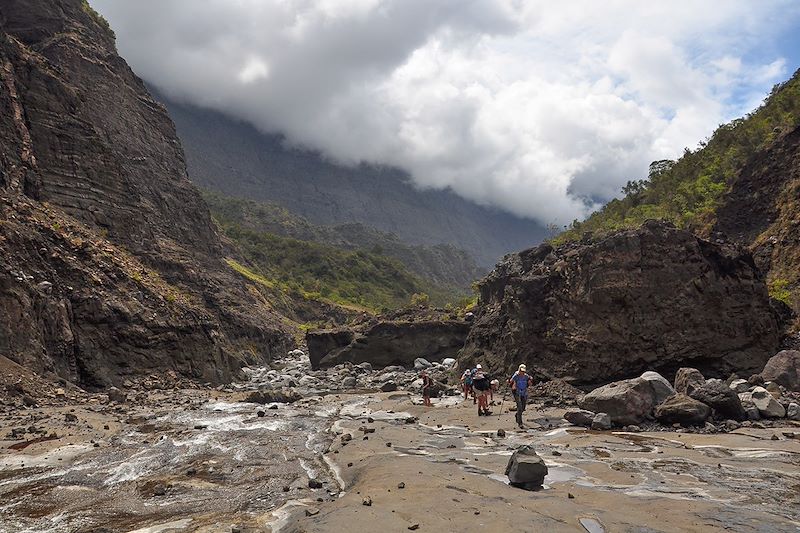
[(767, 405), (683, 410), (661, 387), (525, 469), (687, 380), (651, 298), (626, 402), (386, 342), (784, 369), (724, 402)]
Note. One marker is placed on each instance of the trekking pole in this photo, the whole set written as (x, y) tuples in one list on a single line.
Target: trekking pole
[(503, 399)]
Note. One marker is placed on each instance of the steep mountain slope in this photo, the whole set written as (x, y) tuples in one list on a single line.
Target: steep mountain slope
[(109, 260), (442, 264), (235, 159), (743, 182)]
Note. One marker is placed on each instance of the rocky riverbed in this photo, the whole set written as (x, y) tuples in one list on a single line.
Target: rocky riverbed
[(169, 456)]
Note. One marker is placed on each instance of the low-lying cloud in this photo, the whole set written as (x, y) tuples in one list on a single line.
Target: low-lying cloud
[(540, 108)]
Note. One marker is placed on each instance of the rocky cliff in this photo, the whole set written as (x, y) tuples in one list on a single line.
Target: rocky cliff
[(396, 338), (109, 261), (761, 210), (650, 298)]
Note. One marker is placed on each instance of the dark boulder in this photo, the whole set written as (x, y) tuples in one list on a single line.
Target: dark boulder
[(579, 417), (683, 410), (687, 380), (651, 298), (784, 369), (525, 469), (724, 401), (272, 396)]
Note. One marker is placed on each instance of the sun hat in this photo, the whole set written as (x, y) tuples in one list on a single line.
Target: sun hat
[(523, 367), (478, 366)]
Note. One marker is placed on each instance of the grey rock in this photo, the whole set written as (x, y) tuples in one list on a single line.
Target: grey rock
[(626, 402), (793, 411), (739, 385), (661, 387), (421, 363), (116, 395), (601, 421), (579, 417), (767, 405), (525, 469), (687, 380), (389, 386), (349, 382)]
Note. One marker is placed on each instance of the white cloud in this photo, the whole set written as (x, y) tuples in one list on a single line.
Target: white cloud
[(537, 107)]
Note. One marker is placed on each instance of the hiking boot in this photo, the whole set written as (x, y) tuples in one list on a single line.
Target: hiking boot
[(487, 412)]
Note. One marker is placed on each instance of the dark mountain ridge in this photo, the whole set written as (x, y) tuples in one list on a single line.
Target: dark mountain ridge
[(237, 160)]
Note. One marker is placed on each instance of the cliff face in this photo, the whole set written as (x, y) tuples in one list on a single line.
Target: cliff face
[(762, 211), (652, 298), (109, 262)]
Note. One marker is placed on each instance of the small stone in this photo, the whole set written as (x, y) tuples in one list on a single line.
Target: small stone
[(774, 437), (347, 437), (413, 527), (367, 501), (556, 453), (570, 496), (312, 512), (601, 421), (401, 485), (261, 414), (69, 418), (501, 433), (314, 484)]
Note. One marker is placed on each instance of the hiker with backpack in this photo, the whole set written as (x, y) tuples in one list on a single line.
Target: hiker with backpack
[(427, 384), (481, 384), (466, 380), (520, 382)]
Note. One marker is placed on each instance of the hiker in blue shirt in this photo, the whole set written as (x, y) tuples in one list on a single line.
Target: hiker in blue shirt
[(519, 387)]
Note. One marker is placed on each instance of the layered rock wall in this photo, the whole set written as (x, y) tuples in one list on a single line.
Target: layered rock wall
[(654, 298), (109, 261)]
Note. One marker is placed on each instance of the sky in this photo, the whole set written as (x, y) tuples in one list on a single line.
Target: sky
[(543, 109)]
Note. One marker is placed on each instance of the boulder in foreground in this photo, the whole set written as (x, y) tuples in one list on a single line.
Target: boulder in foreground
[(525, 469)]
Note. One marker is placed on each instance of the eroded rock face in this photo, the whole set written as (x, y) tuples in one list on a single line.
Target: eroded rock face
[(651, 298), (386, 343), (109, 261)]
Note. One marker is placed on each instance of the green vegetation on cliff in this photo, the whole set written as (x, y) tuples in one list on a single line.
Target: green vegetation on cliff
[(687, 191)]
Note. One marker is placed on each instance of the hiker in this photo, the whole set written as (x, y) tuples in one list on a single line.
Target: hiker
[(519, 387), (494, 385), (427, 384), (466, 380), (480, 382)]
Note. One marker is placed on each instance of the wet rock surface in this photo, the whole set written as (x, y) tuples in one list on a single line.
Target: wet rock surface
[(189, 458), (644, 299)]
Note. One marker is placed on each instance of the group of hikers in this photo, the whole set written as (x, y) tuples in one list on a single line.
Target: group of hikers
[(477, 383)]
